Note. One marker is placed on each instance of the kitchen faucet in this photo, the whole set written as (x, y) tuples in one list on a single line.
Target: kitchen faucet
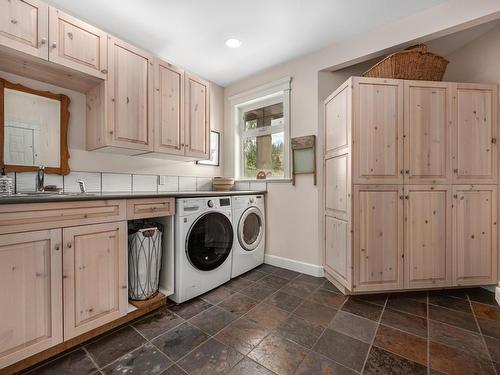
[(40, 175)]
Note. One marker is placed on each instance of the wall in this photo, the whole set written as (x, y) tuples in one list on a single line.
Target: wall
[(477, 61), (94, 161), (294, 212)]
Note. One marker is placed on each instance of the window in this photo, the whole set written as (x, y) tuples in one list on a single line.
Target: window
[(262, 133)]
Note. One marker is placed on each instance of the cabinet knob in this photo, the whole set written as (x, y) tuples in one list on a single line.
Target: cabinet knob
[(455, 170), (407, 171), (69, 245), (57, 247), (43, 41), (54, 45), (104, 71)]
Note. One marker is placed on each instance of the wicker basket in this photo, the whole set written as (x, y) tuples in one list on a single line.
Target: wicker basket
[(412, 63), (222, 183)]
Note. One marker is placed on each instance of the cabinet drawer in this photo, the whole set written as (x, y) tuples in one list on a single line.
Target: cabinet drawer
[(146, 208), (36, 216)]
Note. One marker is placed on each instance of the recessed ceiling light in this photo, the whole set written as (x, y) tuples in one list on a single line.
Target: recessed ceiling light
[(233, 43)]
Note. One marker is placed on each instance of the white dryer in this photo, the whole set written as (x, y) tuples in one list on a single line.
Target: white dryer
[(203, 242), (249, 224)]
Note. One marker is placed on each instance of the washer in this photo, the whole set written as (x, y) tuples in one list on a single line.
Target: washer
[(203, 241), (249, 226)]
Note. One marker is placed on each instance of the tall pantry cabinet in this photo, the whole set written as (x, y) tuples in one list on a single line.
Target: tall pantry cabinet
[(410, 184)]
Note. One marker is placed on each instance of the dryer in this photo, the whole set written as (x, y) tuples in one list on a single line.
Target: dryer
[(249, 225), (204, 238)]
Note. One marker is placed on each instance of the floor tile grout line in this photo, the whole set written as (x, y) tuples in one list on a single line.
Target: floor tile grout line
[(428, 337), (481, 334), (91, 358), (375, 335)]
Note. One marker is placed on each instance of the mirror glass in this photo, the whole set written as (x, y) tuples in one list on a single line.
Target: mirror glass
[(32, 129)]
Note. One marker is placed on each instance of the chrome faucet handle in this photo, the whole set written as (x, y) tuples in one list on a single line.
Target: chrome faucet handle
[(40, 175), (81, 183)]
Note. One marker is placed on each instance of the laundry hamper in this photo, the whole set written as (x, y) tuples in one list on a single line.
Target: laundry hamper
[(144, 260)]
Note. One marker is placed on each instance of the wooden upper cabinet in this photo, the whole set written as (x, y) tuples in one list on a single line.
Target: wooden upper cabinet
[(377, 131), (94, 276), (428, 259), (428, 126), (168, 109), (338, 120), (31, 292), (77, 45), (475, 139), (24, 26), (378, 237), (130, 96), (197, 117), (475, 234)]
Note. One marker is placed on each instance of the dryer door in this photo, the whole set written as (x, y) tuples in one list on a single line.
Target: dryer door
[(209, 241), (251, 229)]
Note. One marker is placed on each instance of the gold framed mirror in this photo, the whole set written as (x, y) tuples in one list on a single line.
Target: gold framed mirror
[(33, 129)]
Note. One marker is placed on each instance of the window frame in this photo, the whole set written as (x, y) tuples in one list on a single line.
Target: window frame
[(272, 93)]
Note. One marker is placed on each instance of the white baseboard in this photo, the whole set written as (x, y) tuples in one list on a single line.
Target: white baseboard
[(294, 265)]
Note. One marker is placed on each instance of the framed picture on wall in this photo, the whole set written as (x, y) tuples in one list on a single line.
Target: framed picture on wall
[(214, 150)]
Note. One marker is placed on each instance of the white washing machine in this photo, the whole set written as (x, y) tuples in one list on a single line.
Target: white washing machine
[(203, 242), (249, 224)]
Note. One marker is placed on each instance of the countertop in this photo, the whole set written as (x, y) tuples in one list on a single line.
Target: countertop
[(68, 197)]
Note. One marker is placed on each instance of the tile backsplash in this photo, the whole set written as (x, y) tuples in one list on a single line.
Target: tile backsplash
[(96, 182)]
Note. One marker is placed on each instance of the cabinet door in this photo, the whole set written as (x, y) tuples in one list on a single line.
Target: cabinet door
[(378, 237), (31, 294), (95, 276), (377, 136), (24, 26), (77, 45), (475, 234), (130, 83), (169, 109), (427, 236), (197, 119), (338, 250), (338, 120), (475, 149), (428, 124)]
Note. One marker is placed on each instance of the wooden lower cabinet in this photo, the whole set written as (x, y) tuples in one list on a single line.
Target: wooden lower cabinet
[(31, 294), (94, 276), (427, 233), (475, 234), (378, 237), (338, 249)]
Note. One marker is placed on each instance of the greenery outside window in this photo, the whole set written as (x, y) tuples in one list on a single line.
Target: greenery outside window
[(263, 146)]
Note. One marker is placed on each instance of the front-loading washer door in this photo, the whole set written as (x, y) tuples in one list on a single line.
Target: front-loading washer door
[(209, 241), (250, 228)]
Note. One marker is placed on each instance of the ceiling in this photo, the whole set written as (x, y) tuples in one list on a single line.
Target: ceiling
[(192, 33)]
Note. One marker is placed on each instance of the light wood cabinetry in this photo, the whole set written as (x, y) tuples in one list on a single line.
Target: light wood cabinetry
[(77, 45), (428, 126), (130, 99), (24, 26), (377, 131), (94, 276), (475, 234), (378, 237), (31, 294), (400, 211), (427, 235), (154, 207), (168, 109), (475, 137), (197, 117)]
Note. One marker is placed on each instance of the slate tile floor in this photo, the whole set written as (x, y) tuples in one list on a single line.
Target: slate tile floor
[(274, 321)]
